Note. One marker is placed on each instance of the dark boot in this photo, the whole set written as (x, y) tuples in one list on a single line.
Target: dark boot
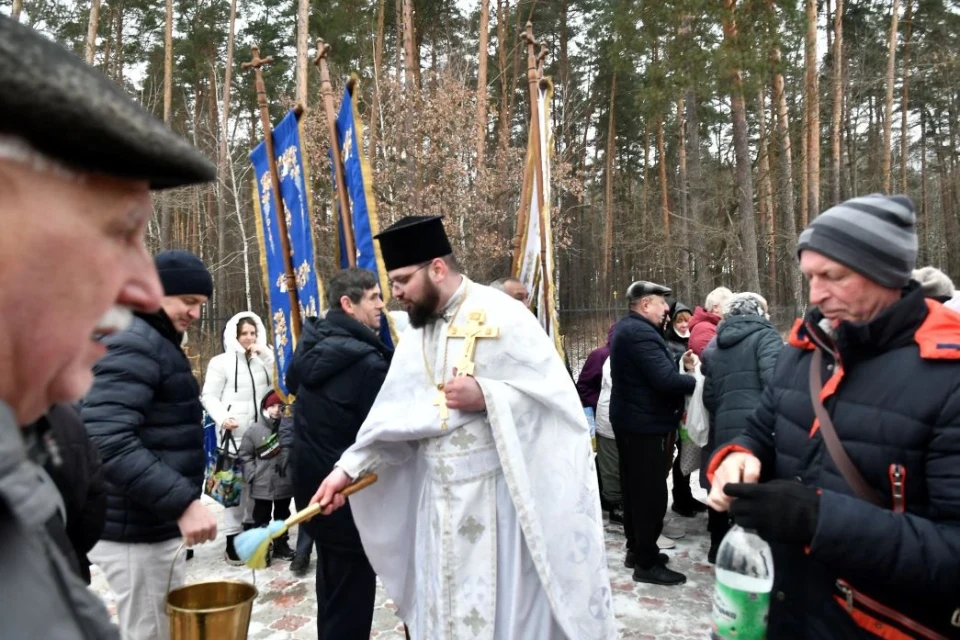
[(300, 565), (658, 574), (230, 554), (281, 549)]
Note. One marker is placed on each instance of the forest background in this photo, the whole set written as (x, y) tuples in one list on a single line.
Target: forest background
[(693, 139)]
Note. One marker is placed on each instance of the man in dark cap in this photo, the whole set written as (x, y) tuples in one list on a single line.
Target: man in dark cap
[(859, 477), (485, 518), (144, 414), (646, 404), (77, 161)]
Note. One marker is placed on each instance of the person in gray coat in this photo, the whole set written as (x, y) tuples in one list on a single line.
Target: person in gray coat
[(265, 457), (737, 364), (78, 159)]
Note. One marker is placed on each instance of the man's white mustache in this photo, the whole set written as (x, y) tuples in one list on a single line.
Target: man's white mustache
[(116, 319)]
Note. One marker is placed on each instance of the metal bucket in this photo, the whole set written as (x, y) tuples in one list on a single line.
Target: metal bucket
[(210, 610)]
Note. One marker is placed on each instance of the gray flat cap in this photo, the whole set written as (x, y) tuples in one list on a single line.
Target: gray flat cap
[(642, 288), (71, 113)]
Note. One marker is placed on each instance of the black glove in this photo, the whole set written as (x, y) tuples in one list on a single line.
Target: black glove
[(779, 511)]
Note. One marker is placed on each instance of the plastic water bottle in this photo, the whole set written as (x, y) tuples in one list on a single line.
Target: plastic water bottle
[(741, 599)]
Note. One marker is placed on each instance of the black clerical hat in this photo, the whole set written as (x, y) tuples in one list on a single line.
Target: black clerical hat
[(413, 240), (73, 114)]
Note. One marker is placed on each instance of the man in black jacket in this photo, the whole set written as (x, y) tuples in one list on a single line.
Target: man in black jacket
[(144, 414), (646, 404), (857, 562), (337, 371)]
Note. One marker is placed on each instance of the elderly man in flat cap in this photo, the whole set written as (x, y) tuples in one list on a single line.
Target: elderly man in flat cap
[(850, 466), (77, 162), (646, 405)]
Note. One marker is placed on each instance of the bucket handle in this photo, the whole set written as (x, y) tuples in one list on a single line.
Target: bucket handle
[(173, 564)]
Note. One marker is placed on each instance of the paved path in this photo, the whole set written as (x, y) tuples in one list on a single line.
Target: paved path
[(287, 606)]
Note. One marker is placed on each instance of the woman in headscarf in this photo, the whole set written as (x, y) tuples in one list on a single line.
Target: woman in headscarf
[(737, 365), (237, 380)]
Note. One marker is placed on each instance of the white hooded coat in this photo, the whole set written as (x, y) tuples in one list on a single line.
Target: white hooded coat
[(235, 386)]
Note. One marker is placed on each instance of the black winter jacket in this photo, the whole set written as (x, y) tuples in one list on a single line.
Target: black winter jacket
[(336, 374), (736, 370), (144, 414), (648, 390), (77, 471), (892, 387)]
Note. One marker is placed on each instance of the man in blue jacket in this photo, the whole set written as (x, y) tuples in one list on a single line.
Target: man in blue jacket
[(865, 537), (336, 374), (144, 414), (646, 404)]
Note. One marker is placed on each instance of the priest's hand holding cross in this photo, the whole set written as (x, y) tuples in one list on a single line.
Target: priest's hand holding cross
[(463, 393)]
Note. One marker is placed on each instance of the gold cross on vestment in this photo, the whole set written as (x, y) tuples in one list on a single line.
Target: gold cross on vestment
[(472, 331)]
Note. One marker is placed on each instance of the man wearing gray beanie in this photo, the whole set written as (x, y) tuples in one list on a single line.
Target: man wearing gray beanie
[(144, 414), (855, 483)]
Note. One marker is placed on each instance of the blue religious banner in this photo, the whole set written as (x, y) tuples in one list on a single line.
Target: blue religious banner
[(358, 177), (296, 208)]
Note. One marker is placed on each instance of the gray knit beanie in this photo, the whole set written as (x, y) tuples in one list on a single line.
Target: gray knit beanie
[(874, 235)]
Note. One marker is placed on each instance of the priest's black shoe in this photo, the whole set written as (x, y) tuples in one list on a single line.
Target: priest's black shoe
[(630, 561), (688, 509), (658, 574), (300, 565)]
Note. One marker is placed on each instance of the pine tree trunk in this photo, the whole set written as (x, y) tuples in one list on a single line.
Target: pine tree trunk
[(788, 221), (664, 196), (608, 219), (766, 197), (377, 74), (16, 9), (813, 113), (836, 160), (886, 169), (686, 265), (695, 190), (93, 26), (905, 99), (411, 90), (482, 83), (503, 116), (303, 43), (566, 120), (400, 41), (741, 147), (168, 63), (118, 48)]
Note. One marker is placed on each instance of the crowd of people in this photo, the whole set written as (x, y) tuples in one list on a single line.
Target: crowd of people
[(486, 517)]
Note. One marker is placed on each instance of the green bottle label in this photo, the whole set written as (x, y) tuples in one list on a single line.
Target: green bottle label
[(739, 614)]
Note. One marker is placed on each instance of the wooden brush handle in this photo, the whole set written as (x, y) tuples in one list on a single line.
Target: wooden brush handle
[(315, 508)]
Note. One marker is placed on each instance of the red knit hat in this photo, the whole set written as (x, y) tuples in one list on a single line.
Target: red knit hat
[(271, 399)]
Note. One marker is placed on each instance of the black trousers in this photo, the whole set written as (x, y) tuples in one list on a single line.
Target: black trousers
[(682, 494), (643, 480), (266, 510), (346, 589)]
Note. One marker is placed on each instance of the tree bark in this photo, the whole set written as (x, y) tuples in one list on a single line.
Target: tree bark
[(886, 168), (93, 27), (482, 83), (686, 265), (303, 40), (766, 197), (905, 98), (664, 191), (411, 90), (748, 223), (788, 221), (813, 113), (118, 48), (400, 42), (503, 116), (16, 9), (608, 219), (836, 162), (168, 63), (695, 190)]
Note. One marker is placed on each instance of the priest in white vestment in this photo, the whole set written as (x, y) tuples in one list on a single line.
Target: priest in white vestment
[(485, 521)]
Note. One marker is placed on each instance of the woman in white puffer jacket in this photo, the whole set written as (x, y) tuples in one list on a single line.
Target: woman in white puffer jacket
[(236, 382)]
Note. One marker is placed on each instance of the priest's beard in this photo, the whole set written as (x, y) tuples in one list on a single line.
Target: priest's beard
[(424, 312)]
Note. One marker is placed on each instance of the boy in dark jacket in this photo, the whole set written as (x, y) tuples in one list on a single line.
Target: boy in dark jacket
[(266, 469)]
